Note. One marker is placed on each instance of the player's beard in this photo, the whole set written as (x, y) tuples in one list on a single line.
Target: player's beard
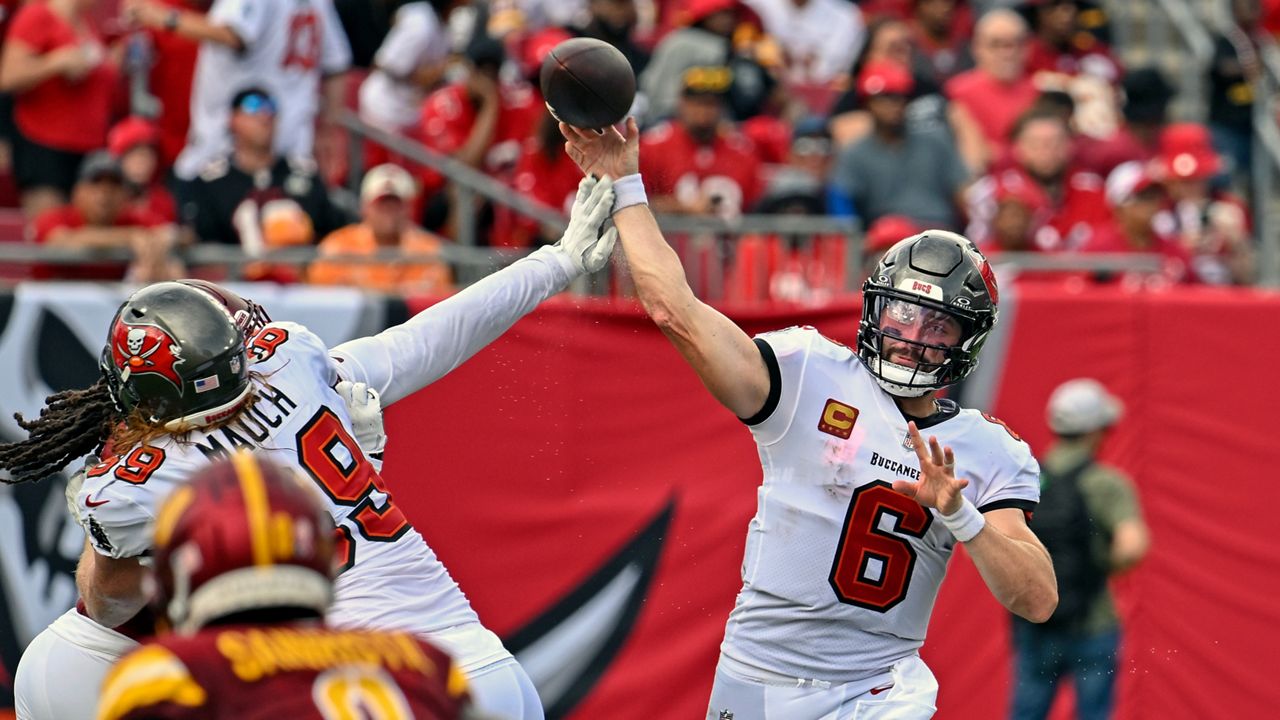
[(702, 135)]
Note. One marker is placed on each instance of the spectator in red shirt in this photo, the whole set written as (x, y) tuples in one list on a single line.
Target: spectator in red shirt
[(1071, 203), (543, 173), (99, 218), (1060, 45), (697, 163), (64, 85), (987, 101), (941, 29), (134, 141), (1135, 199), (481, 121), (1212, 224), (1146, 96)]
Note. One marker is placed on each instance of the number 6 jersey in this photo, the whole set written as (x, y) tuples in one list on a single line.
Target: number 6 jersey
[(390, 578), (840, 572)]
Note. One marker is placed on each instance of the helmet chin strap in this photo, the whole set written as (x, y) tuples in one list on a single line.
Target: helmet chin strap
[(885, 377), (209, 416)]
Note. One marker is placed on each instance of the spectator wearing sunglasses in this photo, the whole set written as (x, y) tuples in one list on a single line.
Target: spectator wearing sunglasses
[(253, 197)]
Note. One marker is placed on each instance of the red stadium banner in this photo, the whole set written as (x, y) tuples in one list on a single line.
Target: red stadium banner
[(592, 500)]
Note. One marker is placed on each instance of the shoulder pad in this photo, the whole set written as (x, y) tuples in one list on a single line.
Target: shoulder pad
[(145, 678), (789, 340)]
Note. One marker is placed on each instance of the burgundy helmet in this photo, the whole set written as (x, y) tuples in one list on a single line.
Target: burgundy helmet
[(248, 315), (243, 534)]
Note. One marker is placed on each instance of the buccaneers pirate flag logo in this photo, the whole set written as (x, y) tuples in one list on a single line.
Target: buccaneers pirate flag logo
[(139, 349)]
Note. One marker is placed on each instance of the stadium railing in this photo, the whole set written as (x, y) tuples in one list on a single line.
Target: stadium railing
[(705, 243)]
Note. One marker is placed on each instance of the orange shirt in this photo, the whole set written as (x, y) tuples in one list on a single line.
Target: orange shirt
[(389, 277)]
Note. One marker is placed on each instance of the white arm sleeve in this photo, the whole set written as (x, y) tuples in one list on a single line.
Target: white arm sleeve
[(399, 361), (335, 49), (415, 38), (248, 19)]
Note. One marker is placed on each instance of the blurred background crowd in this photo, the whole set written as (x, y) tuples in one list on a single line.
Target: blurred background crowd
[(134, 130)]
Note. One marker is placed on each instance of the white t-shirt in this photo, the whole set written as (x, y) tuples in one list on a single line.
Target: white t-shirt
[(840, 572), (289, 46), (388, 100), (821, 38)]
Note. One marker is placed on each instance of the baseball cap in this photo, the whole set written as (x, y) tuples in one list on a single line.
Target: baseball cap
[(1017, 186), (1186, 152), (538, 46), (885, 78), (254, 100), (885, 232), (1127, 180), (99, 165), (385, 180), (1082, 405), (130, 133), (706, 80)]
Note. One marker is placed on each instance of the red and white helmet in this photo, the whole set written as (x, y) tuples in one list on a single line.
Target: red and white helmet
[(243, 535)]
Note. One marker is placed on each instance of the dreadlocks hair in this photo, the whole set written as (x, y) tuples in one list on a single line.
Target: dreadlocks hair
[(72, 424)]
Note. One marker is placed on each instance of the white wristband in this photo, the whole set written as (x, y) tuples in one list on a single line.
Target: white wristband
[(964, 523), (627, 191)]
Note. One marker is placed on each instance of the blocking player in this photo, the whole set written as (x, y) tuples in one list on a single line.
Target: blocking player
[(858, 513), (179, 388), (243, 556)]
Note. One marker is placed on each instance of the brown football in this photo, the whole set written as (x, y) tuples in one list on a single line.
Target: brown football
[(587, 83)]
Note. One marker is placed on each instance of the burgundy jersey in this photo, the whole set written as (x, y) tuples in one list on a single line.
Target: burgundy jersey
[(263, 672)]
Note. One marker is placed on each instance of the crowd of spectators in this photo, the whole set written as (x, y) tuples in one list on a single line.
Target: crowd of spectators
[(155, 124)]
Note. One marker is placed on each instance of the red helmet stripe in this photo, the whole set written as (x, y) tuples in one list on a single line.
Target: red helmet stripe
[(989, 278), (255, 504)]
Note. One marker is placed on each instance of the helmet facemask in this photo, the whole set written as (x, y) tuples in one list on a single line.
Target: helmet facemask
[(940, 345)]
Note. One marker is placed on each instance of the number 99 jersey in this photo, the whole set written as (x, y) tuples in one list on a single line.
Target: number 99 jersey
[(389, 578), (840, 572)]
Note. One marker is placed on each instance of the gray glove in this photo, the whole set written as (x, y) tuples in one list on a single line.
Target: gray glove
[(583, 241)]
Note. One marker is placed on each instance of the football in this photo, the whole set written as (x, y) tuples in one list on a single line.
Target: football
[(587, 83)]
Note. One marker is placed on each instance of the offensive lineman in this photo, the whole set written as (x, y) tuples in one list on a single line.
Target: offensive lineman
[(262, 652), (295, 49), (179, 389), (856, 517)]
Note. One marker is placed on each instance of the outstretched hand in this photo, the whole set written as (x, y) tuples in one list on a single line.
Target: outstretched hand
[(938, 486), (587, 242), (604, 153)]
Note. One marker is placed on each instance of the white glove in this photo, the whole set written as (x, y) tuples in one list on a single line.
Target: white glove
[(583, 241), (365, 408)]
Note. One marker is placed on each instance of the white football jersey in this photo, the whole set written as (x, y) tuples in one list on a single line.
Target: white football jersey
[(289, 45), (389, 98), (391, 580), (840, 572)]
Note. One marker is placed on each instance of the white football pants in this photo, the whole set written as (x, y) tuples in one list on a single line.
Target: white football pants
[(907, 692)]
